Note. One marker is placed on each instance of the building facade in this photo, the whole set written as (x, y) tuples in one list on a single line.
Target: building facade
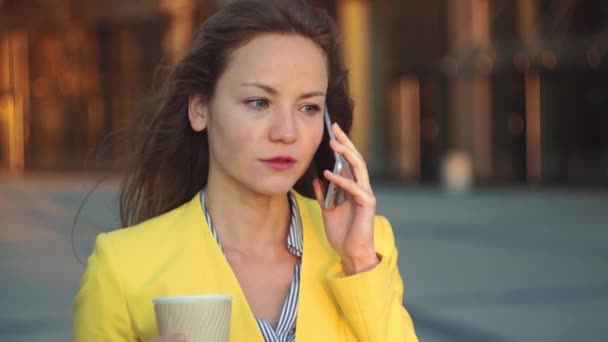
[(519, 88)]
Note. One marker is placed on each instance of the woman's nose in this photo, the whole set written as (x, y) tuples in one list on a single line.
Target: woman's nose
[(283, 127)]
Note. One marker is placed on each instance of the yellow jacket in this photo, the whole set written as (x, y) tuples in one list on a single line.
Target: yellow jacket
[(176, 254)]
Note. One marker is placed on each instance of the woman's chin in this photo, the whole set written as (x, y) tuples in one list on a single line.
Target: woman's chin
[(274, 188)]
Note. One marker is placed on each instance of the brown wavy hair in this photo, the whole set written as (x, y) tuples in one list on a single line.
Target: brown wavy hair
[(169, 161)]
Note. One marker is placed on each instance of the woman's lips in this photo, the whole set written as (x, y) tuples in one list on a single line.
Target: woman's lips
[(280, 162)]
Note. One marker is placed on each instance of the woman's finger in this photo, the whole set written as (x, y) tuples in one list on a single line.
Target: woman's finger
[(359, 167), (362, 196), (343, 138)]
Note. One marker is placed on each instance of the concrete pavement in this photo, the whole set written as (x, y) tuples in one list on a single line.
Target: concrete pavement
[(508, 265)]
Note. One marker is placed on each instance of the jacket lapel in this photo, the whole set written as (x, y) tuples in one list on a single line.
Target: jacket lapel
[(318, 316), (216, 275)]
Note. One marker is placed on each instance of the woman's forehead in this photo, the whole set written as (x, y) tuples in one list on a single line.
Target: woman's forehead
[(278, 60)]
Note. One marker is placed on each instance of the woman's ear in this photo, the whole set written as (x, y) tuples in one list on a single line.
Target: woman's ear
[(198, 113)]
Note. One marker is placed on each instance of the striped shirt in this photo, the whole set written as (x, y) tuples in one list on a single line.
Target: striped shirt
[(286, 327)]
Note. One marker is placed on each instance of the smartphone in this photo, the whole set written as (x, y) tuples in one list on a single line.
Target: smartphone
[(335, 195)]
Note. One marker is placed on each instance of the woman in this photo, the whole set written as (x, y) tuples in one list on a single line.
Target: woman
[(209, 200)]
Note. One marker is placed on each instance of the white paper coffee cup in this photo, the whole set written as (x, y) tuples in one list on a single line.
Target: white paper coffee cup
[(198, 317)]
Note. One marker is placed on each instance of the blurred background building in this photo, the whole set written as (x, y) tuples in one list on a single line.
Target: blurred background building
[(514, 90)]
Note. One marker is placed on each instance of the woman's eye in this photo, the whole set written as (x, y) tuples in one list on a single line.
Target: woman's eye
[(258, 103), (311, 109)]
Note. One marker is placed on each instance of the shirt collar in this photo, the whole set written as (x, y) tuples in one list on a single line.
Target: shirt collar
[(294, 240)]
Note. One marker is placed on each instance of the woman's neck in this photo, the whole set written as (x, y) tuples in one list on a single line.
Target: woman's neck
[(246, 220)]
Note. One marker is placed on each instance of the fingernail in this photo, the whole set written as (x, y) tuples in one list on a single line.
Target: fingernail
[(179, 338)]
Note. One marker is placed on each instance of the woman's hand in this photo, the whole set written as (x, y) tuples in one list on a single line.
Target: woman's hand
[(170, 338), (350, 225)]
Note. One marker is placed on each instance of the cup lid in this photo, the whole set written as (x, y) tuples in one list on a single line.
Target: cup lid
[(192, 298)]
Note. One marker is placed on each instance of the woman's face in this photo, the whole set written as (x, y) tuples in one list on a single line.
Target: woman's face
[(265, 121)]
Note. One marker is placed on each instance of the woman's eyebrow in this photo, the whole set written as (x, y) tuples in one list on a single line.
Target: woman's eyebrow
[(273, 91)]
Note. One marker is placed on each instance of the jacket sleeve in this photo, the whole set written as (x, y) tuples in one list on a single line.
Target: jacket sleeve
[(371, 301), (100, 309)]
